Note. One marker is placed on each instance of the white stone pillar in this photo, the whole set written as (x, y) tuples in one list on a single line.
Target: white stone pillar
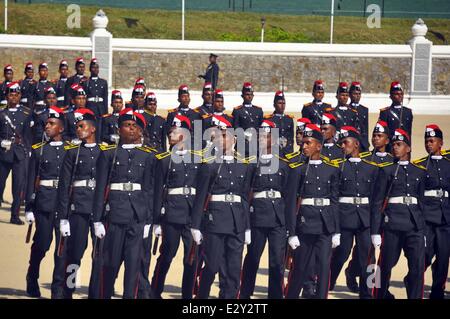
[(102, 45), (421, 65)]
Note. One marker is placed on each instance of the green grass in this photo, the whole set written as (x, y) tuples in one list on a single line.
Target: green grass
[(45, 19)]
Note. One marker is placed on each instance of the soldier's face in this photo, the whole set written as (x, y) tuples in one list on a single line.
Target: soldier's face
[(397, 97), (299, 137), (43, 73), (248, 97), (9, 76), (349, 145), (225, 141), (218, 105), (433, 145), (318, 95), (280, 106), (328, 131), (117, 105), (130, 132), (13, 98), (64, 71), (265, 140), (355, 96), (176, 135), (184, 99), (53, 127), (380, 140), (139, 100), (94, 70), (85, 129), (212, 59), (50, 99), (400, 150), (79, 101), (29, 73), (342, 98), (207, 97), (311, 146), (80, 68)]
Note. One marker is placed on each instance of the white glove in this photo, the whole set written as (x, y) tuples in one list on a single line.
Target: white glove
[(335, 240), (425, 239), (147, 230), (197, 236), (376, 241), (29, 217), (248, 237), (64, 227), (6, 144), (157, 230), (294, 242), (114, 138), (99, 230)]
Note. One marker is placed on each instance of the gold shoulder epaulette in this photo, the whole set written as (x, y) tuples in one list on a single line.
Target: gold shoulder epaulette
[(446, 152), (267, 116), (104, 147), (284, 159), (331, 163), (417, 161), (198, 152), (337, 160), (247, 159), (205, 116), (146, 149), (292, 155), (370, 162), (172, 110), (237, 107), (296, 164), (365, 154), (307, 104), (419, 166), (106, 115), (38, 145), (385, 164), (162, 155), (208, 159), (324, 157), (290, 116), (328, 109), (70, 146)]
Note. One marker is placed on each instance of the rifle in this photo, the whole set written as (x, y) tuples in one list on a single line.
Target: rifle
[(74, 168)]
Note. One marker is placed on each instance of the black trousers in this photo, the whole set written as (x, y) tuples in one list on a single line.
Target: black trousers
[(122, 243), (277, 246), (342, 252), (145, 289), (313, 248), (413, 245), (172, 233), (225, 249), (438, 245), (19, 170)]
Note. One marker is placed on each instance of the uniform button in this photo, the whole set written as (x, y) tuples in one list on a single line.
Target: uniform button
[(231, 183), (318, 188), (129, 171), (407, 194), (317, 177), (357, 206), (407, 184)]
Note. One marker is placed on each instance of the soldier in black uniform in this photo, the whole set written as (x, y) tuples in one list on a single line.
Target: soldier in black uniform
[(284, 123), (267, 217), (41, 195), (8, 74), (41, 85), (60, 84), (212, 71), (218, 118), (397, 115), (222, 189), (137, 102), (183, 109), (78, 103), (156, 130), (314, 110), (401, 190), (247, 115), (436, 209), (313, 229), (124, 193), (97, 95), (207, 95), (110, 123), (76, 192), (77, 78), (298, 156), (175, 190), (356, 191), (362, 115), (39, 116), (27, 86), (15, 147), (345, 116), (330, 150)]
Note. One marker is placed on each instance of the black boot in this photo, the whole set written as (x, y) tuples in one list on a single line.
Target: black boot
[(33, 288), (16, 221), (351, 282)]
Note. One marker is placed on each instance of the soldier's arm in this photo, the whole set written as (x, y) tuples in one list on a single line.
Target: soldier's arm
[(65, 177), (30, 188), (381, 184), (251, 170), (203, 181), (235, 118), (149, 184), (160, 178), (105, 131), (334, 198), (291, 200), (101, 178), (105, 99)]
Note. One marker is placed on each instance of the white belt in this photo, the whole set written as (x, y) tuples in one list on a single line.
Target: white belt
[(316, 201), (403, 200), (84, 183), (181, 191), (230, 198), (125, 187), (40, 103), (436, 193), (24, 100), (354, 200), (49, 183), (60, 98), (267, 194), (95, 99)]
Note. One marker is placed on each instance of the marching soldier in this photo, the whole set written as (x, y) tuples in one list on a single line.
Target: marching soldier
[(110, 123), (60, 84), (156, 125), (76, 192), (313, 228), (77, 78), (356, 191), (78, 102), (222, 188), (212, 71), (399, 215), (8, 74), (362, 113), (298, 156), (41, 86), (207, 107), (436, 209), (41, 195), (247, 115), (397, 115), (330, 150), (314, 110), (175, 190), (124, 204), (15, 147), (345, 116), (284, 123), (267, 217), (40, 114), (137, 102), (218, 118), (27, 86)]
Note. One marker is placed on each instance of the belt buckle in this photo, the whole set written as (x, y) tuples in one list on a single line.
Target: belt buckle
[(439, 193), (186, 190), (91, 183), (357, 200), (318, 201), (229, 197), (55, 183), (407, 200), (270, 194), (128, 187)]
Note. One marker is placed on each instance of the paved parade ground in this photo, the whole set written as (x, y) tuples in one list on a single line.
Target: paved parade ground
[(14, 253)]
